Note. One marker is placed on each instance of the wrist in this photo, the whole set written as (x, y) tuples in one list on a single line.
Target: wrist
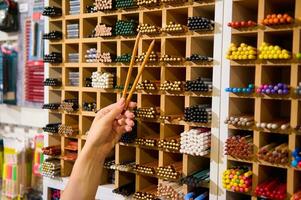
[(93, 153)]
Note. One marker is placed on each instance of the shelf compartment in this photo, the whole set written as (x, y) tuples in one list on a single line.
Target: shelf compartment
[(124, 71), (199, 101), (55, 26), (266, 172), (71, 76), (86, 4), (56, 96), (248, 10), (174, 105), (204, 11), (147, 183), (197, 72), (85, 48), (275, 74), (151, 74), (284, 39), (175, 74), (237, 196), (176, 47), (241, 106), (130, 16), (242, 76), (126, 178), (71, 95), (110, 47), (109, 20), (87, 73), (151, 129), (89, 97), (89, 26), (107, 99), (275, 110), (147, 42), (127, 154), (268, 138), (153, 18), (171, 158), (204, 47), (71, 49), (55, 48), (74, 33), (279, 6), (71, 145), (56, 3), (148, 156), (71, 119), (86, 124), (170, 130), (150, 100), (55, 73), (55, 118), (195, 163), (178, 16), (127, 46), (247, 38)]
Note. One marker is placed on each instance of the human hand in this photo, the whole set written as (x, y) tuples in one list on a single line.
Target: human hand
[(108, 126)]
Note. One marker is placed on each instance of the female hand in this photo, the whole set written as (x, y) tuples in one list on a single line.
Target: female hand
[(108, 126)]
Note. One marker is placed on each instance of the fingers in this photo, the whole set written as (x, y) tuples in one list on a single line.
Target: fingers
[(122, 129), (115, 112), (125, 121), (127, 114), (132, 105), (107, 109)]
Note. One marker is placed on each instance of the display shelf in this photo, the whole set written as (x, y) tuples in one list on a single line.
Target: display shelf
[(170, 103), (264, 107)]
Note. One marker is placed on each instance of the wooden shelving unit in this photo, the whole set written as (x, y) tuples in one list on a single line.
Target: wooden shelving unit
[(170, 103), (262, 107)]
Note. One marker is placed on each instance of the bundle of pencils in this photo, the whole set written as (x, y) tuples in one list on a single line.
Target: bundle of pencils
[(173, 171), (125, 190), (147, 112), (126, 166), (196, 142), (274, 153), (171, 143), (172, 86), (149, 193), (274, 125), (241, 120), (52, 128), (272, 189), (196, 178), (68, 129), (240, 146), (147, 168), (72, 145), (296, 196), (51, 168), (70, 156), (52, 150), (170, 190), (148, 85), (69, 105), (149, 141)]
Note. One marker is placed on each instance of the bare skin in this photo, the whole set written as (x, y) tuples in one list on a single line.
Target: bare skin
[(107, 128)]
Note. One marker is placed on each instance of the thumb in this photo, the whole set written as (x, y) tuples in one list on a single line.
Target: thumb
[(116, 111)]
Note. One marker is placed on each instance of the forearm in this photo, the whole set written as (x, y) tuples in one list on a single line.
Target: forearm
[(85, 176)]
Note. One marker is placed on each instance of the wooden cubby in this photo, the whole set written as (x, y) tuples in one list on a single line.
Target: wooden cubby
[(264, 108), (182, 45)]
